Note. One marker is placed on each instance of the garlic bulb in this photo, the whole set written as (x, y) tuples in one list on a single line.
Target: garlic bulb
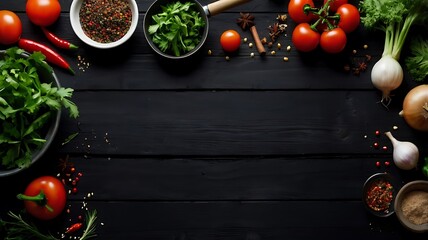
[(405, 154)]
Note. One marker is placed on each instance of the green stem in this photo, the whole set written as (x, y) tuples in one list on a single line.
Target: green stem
[(40, 199), (307, 9), (387, 49), (401, 38)]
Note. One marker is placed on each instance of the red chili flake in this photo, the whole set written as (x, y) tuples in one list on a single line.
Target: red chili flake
[(74, 190), (76, 179), (377, 164), (80, 217), (385, 148), (387, 163), (377, 133), (379, 195), (376, 145), (73, 182), (79, 174), (72, 170)]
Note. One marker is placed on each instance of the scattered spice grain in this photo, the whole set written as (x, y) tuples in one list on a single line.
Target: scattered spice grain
[(415, 207), (105, 21)]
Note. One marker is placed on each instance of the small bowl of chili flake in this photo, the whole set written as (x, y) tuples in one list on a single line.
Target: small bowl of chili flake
[(379, 193), (104, 23)]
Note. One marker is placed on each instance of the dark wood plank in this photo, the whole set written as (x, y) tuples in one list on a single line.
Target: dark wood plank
[(335, 178), (301, 220), (219, 123)]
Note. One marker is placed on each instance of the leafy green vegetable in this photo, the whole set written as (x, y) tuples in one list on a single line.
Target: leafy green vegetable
[(27, 105), (417, 64), (394, 17), (177, 29)]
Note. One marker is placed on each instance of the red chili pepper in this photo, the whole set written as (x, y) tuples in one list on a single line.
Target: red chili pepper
[(73, 228), (61, 43), (51, 55)]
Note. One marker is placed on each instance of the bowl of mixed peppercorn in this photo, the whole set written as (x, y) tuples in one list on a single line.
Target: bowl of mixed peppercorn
[(104, 23)]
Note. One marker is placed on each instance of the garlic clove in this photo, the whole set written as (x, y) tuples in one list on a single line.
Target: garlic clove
[(405, 154)]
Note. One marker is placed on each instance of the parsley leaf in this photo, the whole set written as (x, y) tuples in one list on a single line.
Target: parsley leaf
[(27, 106), (177, 29)]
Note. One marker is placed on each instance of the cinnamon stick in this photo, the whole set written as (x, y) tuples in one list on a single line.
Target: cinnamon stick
[(260, 48)]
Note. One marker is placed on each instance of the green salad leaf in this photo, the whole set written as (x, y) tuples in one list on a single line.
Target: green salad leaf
[(27, 105), (177, 28)]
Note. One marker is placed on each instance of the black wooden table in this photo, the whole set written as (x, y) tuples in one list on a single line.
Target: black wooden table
[(245, 148)]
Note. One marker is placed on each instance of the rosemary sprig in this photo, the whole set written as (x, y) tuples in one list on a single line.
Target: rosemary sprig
[(91, 219), (19, 229)]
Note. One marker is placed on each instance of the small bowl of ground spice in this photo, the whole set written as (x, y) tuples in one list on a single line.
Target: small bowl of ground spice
[(411, 206), (104, 23), (379, 192)]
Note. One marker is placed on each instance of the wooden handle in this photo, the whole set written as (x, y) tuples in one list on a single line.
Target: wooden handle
[(222, 5)]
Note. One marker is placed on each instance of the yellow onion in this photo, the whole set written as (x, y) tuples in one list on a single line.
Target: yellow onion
[(415, 108)]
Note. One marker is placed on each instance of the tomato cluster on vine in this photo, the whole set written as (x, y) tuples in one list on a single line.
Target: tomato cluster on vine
[(326, 26)]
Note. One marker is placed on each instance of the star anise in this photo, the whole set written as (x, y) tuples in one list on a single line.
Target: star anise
[(245, 21)]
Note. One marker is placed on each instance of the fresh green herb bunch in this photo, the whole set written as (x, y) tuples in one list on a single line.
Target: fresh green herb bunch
[(417, 62), (27, 105), (177, 29), (394, 17)]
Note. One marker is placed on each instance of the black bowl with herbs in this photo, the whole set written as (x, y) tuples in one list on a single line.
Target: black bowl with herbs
[(176, 29), (185, 32), (30, 108), (379, 192)]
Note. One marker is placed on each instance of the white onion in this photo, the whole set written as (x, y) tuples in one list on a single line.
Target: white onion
[(386, 76), (405, 155)]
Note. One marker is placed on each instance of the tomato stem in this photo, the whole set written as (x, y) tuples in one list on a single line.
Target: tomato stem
[(323, 15), (307, 9), (40, 199)]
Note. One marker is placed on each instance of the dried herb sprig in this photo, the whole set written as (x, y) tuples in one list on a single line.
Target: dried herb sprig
[(19, 229), (91, 223)]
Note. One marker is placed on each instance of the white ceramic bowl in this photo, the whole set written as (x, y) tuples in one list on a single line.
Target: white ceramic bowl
[(77, 28)]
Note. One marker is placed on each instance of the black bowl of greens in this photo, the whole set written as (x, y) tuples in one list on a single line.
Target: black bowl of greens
[(31, 99), (176, 29)]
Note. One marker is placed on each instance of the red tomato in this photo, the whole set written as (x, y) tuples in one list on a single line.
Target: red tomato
[(10, 27), (50, 193), (304, 38), (43, 12), (230, 40), (333, 41), (296, 12), (349, 17), (335, 4)]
